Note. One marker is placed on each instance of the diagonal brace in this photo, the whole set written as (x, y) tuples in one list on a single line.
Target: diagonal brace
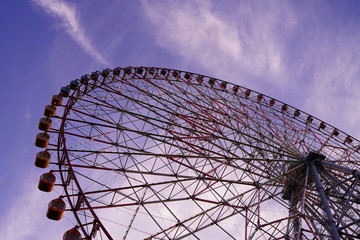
[(334, 231)]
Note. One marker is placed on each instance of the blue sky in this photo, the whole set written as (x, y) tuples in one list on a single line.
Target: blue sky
[(305, 53)]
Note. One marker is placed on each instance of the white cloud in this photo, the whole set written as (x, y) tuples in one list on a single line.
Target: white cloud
[(68, 15), (245, 42), (304, 57), (335, 87), (27, 113), (20, 214), (25, 217)]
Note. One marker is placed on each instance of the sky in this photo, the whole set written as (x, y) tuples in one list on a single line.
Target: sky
[(304, 53)]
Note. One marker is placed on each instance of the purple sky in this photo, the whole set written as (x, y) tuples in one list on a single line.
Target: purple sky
[(305, 53)]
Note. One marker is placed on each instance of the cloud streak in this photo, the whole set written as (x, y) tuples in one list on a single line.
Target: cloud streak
[(25, 218), (69, 21), (246, 42), (335, 86), (306, 58)]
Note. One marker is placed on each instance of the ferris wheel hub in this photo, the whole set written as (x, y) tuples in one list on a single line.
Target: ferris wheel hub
[(294, 183), (314, 157)]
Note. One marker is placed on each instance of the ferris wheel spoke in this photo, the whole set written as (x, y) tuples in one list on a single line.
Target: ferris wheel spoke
[(166, 174), (202, 225), (95, 139), (197, 221), (253, 165), (184, 100), (139, 116), (239, 143), (153, 97), (160, 153), (253, 121), (95, 109), (260, 125), (288, 142), (316, 218), (171, 211), (153, 202), (172, 155), (205, 111), (141, 186), (205, 200)]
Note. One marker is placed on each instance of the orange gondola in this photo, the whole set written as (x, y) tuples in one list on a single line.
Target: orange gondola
[(47, 182), (50, 111), (72, 234), (45, 124), (42, 140), (56, 209), (42, 159), (56, 100)]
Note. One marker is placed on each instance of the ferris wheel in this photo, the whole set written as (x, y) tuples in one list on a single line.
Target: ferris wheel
[(155, 153)]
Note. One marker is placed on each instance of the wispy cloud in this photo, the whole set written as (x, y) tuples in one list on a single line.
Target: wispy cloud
[(335, 87), (25, 217), (244, 42), (300, 53), (68, 16)]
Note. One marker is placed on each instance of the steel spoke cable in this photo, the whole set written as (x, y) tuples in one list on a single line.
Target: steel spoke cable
[(141, 140), (170, 95), (234, 107)]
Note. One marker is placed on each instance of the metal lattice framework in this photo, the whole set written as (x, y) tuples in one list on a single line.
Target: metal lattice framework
[(154, 153)]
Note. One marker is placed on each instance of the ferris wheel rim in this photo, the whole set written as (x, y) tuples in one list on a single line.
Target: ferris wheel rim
[(74, 97)]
